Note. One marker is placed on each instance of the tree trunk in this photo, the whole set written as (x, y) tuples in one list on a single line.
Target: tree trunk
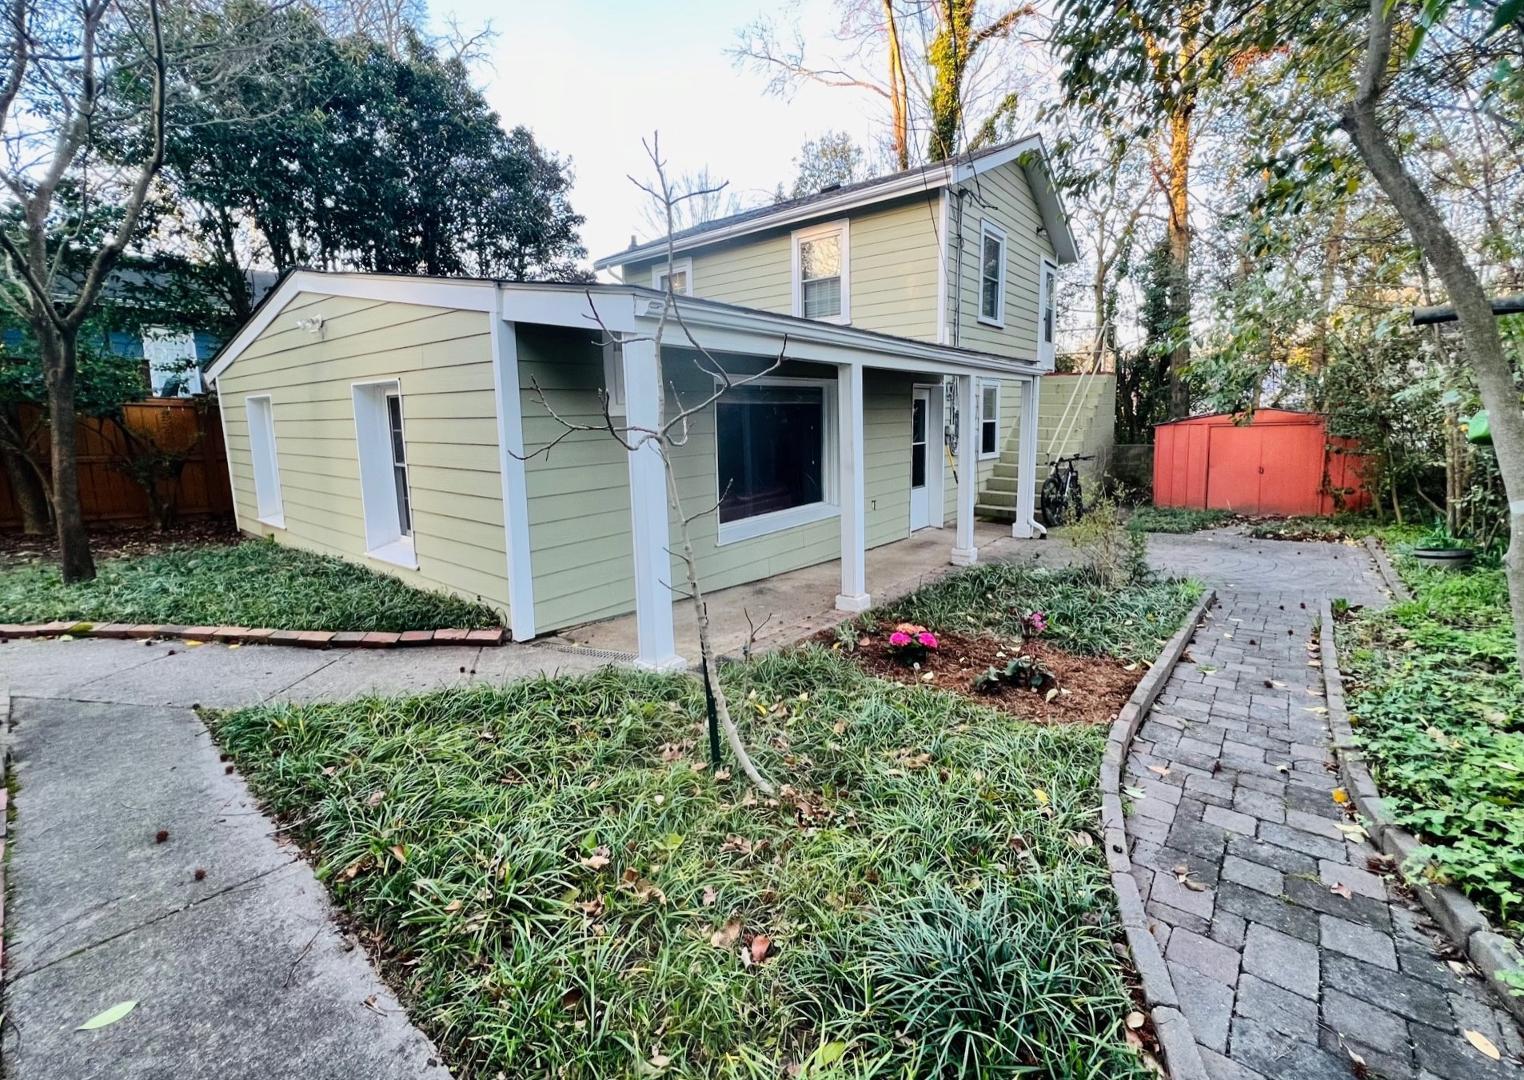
[(31, 500), (1478, 326), (1179, 227), (899, 89), (58, 364)]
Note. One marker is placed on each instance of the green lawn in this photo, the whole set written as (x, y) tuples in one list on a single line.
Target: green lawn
[(1176, 519), (254, 584), (1438, 703), (562, 888)]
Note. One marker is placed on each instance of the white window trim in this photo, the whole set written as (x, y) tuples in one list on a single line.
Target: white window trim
[(731, 532), (379, 542), (1046, 350), (989, 229), (679, 266), (842, 226), (278, 518), (981, 386), (613, 376)]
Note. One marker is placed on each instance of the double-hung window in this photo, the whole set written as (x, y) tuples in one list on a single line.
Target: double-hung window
[(385, 495), (267, 501), (681, 275), (1047, 311), (989, 418), (822, 273), (774, 455), (991, 274)]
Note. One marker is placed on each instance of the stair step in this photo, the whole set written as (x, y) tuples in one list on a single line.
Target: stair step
[(995, 513)]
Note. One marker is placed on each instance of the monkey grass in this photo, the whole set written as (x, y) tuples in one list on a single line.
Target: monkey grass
[(559, 885)]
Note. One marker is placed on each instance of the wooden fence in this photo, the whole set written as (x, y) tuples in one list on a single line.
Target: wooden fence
[(108, 491)]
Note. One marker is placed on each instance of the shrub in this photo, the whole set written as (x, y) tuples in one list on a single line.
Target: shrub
[(1110, 552)]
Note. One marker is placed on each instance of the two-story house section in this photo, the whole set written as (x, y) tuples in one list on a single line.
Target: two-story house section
[(962, 253)]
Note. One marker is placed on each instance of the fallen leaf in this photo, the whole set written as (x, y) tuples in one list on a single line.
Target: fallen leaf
[(1482, 1043), (710, 896), (1162, 770), (1194, 885), (1131, 667), (759, 948), (1340, 796), (597, 860), (375, 798), (592, 908), (1041, 796), (830, 1053), (452, 907), (109, 1017), (398, 852), (1081, 840), (660, 1061), (1342, 890), (727, 935)]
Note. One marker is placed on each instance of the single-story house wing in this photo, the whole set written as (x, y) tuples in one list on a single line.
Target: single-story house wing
[(418, 426)]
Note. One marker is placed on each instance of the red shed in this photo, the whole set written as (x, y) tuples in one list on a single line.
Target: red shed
[(1280, 462)]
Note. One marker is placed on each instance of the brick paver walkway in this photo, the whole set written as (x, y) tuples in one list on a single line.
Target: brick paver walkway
[(1293, 956)]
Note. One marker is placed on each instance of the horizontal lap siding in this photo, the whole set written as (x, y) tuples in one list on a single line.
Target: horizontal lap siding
[(441, 359), (579, 507), (1003, 197), (892, 279)]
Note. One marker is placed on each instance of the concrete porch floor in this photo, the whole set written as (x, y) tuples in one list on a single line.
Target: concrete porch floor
[(802, 602)]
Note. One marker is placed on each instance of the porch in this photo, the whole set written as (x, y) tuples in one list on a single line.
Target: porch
[(787, 608)]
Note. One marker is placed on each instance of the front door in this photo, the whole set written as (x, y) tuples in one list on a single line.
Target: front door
[(920, 460)]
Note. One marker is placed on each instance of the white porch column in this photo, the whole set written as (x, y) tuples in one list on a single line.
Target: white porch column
[(1026, 460), (965, 553), (649, 522), (854, 534)]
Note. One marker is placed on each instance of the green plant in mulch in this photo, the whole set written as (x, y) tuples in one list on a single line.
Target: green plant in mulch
[(559, 886), (1176, 519), (1130, 620), (1437, 701), (255, 584)]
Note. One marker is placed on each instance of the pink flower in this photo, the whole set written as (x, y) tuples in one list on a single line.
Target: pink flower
[(899, 638), (1038, 621), (927, 638)]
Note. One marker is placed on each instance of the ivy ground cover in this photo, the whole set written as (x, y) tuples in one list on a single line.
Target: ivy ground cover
[(256, 583), (1435, 697)]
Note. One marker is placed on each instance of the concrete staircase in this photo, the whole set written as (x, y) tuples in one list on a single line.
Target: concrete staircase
[(1089, 430)]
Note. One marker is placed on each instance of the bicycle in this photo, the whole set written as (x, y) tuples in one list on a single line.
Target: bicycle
[(1062, 500)]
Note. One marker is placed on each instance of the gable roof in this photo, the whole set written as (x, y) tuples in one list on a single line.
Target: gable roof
[(1028, 151)]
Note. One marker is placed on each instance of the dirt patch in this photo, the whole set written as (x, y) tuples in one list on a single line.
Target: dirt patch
[(1092, 690), (124, 541)]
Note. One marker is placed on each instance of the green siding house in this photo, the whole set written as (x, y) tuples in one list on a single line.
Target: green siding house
[(447, 430)]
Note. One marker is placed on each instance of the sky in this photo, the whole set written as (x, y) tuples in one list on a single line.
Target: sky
[(591, 77)]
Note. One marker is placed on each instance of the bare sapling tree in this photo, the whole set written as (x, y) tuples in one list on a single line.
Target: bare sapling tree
[(669, 435), (62, 94), (1479, 331)]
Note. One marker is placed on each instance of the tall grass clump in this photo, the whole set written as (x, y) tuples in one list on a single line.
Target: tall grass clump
[(559, 886)]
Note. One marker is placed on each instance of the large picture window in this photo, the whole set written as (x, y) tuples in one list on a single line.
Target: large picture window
[(773, 449)]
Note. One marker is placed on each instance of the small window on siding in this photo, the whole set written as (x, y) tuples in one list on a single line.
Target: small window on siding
[(267, 498), (991, 275), (1047, 313), (989, 419), (385, 493), (682, 276), (822, 274)]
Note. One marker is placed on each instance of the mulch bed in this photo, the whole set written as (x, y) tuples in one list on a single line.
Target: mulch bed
[(1092, 690), (124, 541)]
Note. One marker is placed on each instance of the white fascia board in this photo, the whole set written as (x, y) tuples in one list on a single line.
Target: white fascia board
[(763, 334), (1044, 192), (612, 306), (931, 178), (426, 292)]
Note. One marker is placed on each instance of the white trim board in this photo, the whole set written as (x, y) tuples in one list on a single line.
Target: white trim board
[(510, 461)]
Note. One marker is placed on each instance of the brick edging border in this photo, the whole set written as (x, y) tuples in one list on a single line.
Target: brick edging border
[(1463, 923), (1389, 576), (241, 635), (1175, 1036)]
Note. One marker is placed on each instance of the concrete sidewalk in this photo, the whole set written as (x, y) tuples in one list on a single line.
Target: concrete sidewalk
[(220, 932)]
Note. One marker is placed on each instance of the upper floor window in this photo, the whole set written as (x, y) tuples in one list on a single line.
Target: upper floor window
[(682, 276), (1047, 311), (822, 264), (991, 274)]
